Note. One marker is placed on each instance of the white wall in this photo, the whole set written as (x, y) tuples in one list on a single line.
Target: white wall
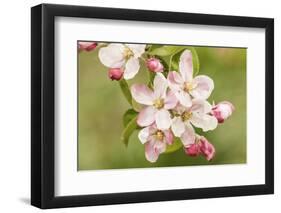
[(15, 105)]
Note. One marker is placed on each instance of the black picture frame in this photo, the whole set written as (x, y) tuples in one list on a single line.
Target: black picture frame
[(43, 102)]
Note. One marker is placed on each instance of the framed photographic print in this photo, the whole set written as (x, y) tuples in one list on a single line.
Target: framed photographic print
[(140, 106)]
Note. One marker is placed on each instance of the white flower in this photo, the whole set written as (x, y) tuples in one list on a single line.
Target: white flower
[(157, 103), (155, 141), (185, 86), (125, 56), (198, 115)]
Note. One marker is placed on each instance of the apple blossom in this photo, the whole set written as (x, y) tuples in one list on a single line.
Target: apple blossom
[(223, 110), (185, 86), (206, 148), (87, 46), (193, 150), (197, 115), (155, 141), (115, 73), (201, 147), (157, 103), (125, 56), (154, 65)]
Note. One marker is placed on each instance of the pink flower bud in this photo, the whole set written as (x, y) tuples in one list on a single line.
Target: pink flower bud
[(115, 73), (222, 111), (206, 148), (154, 65), (193, 150), (87, 46)]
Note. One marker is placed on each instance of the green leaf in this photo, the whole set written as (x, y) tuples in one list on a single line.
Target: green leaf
[(195, 60), (128, 131), (136, 106), (126, 91), (128, 116), (166, 50), (174, 147), (154, 46)]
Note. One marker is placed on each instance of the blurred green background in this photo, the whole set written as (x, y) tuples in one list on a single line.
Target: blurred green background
[(102, 104)]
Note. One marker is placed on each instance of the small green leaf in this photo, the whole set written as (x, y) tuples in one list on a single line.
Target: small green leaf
[(136, 106), (126, 91), (128, 116), (153, 47), (166, 50), (128, 131), (174, 147)]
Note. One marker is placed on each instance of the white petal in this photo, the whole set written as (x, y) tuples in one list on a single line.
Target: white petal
[(146, 116), (138, 49), (151, 153), (160, 85), (178, 126), (175, 81), (204, 121), (144, 135), (186, 65), (170, 101), (160, 146), (112, 55), (204, 87), (201, 106), (142, 94), (184, 98), (163, 119), (131, 69), (188, 137)]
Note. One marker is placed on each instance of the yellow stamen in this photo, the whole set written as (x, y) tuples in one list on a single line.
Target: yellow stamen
[(128, 53), (186, 116), (188, 86), (159, 135), (158, 103)]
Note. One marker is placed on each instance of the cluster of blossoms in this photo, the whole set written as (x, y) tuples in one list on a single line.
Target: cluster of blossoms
[(173, 106)]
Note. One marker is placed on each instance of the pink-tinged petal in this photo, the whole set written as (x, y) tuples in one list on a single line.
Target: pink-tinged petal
[(193, 150), (175, 81), (131, 68), (137, 49), (188, 137), (178, 126), (144, 135), (222, 111), (203, 87), (186, 65), (169, 137), (204, 121), (115, 73), (160, 146), (206, 148), (112, 56), (184, 98), (146, 116), (87, 46), (142, 94), (154, 65), (151, 153), (200, 106), (160, 86), (170, 101), (163, 119)]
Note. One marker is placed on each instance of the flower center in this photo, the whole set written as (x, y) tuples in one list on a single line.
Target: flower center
[(159, 135), (186, 116), (158, 103), (187, 87), (128, 53)]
